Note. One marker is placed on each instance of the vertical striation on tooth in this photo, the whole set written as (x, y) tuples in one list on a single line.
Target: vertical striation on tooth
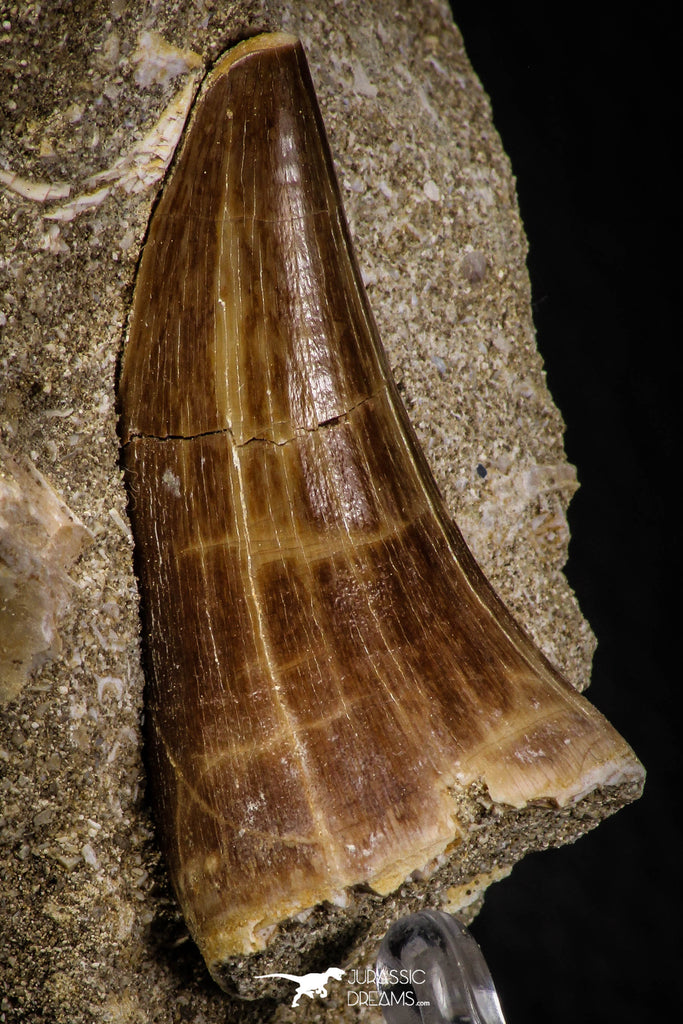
[(327, 664), (251, 273)]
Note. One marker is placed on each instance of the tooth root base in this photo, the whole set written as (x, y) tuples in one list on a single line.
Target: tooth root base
[(498, 837), (326, 674)]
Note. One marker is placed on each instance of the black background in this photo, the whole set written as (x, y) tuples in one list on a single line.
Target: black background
[(587, 107)]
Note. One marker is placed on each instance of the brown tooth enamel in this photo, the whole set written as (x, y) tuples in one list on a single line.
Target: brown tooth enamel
[(327, 666)]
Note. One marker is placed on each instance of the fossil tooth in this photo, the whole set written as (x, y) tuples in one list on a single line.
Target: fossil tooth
[(327, 666)]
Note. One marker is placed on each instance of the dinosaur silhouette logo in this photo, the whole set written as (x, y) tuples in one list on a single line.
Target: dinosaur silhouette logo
[(310, 985)]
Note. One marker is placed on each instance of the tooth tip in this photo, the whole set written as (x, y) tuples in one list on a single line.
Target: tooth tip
[(254, 45)]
